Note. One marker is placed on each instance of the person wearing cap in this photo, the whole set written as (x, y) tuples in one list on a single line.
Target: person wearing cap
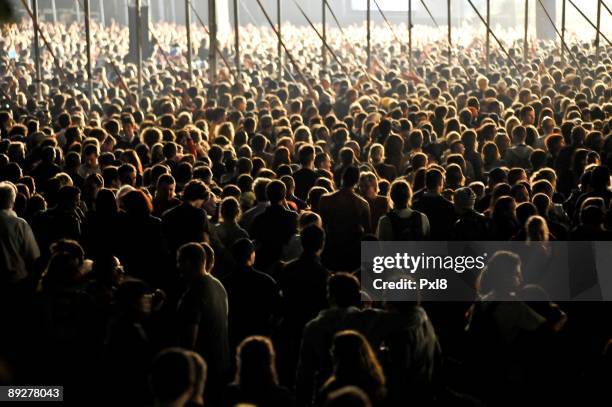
[(470, 224)]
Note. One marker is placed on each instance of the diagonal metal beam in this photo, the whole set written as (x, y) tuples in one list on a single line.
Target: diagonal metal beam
[(325, 44), (552, 22), (589, 21), (42, 37), (499, 43), (297, 68), (216, 46), (347, 40)]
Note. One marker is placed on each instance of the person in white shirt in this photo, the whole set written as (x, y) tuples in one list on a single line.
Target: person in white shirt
[(18, 247)]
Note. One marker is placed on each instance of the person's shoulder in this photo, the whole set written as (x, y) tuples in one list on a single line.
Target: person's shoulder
[(174, 211), (329, 196), (381, 200), (361, 200), (448, 203), (327, 199), (154, 220), (259, 217), (264, 277), (290, 213), (304, 172), (319, 320), (420, 214), (211, 282)]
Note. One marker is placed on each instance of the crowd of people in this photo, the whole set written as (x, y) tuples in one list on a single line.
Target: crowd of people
[(199, 243)]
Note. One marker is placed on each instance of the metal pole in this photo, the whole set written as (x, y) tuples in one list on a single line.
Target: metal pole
[(597, 48), (162, 10), (324, 34), (410, 35), (552, 23), (54, 10), (450, 32), (488, 38), (325, 44), (139, 46), (188, 27), (212, 24), (237, 41), (78, 12), (298, 71), (592, 24), (499, 43), (88, 49), (525, 42), (37, 50), (368, 37), (279, 47), (563, 32), (102, 18)]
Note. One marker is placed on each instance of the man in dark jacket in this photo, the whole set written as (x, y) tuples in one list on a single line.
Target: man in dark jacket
[(253, 296), (202, 316), (303, 282), (346, 217), (273, 228), (188, 222), (306, 176), (439, 210)]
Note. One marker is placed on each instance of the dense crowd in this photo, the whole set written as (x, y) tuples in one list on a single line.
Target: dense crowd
[(200, 243)]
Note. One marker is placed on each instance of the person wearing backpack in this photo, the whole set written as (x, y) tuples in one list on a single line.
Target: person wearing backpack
[(402, 223)]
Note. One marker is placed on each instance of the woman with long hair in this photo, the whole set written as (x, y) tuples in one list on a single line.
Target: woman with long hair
[(490, 156), (139, 237), (355, 364), (256, 381), (504, 224)]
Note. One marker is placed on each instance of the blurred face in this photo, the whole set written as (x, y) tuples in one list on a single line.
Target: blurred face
[(521, 195), (367, 188), (166, 191), (459, 148), (482, 84), (91, 160), (326, 164), (146, 304), (128, 130)]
